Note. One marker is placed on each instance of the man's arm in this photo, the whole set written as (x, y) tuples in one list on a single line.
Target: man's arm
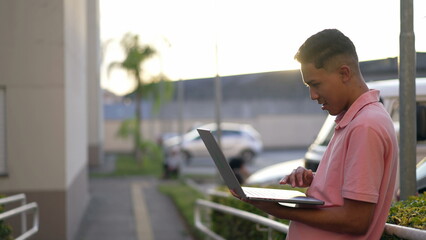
[(354, 217)]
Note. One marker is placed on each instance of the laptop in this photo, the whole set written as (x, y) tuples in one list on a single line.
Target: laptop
[(252, 193)]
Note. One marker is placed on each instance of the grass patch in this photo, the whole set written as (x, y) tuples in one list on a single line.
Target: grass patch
[(125, 165), (200, 178), (184, 198)]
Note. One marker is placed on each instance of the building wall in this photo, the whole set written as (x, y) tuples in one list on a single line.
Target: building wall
[(290, 131), (277, 131), (32, 74), (76, 119), (113, 143), (94, 96), (277, 104), (43, 59)]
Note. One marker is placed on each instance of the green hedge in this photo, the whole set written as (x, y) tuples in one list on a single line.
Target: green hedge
[(410, 213), (5, 229), (241, 229)]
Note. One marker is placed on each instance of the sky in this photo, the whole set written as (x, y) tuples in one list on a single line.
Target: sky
[(200, 38)]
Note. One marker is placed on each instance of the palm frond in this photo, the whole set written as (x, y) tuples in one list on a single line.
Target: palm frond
[(112, 66)]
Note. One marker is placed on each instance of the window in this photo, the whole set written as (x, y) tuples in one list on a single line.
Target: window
[(230, 133), (2, 131)]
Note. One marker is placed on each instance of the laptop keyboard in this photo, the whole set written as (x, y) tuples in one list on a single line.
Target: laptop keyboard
[(270, 193)]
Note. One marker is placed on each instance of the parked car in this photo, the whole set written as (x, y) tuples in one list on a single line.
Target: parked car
[(271, 175), (238, 140), (389, 93), (421, 176)]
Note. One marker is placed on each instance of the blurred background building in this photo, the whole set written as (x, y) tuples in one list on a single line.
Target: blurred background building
[(277, 104)]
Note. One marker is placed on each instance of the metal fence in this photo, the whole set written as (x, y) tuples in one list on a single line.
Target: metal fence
[(24, 209), (200, 204), (399, 231), (405, 232)]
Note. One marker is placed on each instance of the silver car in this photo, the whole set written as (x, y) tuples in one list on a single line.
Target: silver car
[(237, 140)]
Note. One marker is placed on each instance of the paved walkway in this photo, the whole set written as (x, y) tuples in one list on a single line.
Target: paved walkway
[(130, 208)]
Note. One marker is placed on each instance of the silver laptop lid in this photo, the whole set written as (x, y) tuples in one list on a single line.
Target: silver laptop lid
[(219, 159)]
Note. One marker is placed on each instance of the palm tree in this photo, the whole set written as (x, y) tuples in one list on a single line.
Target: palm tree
[(136, 55)]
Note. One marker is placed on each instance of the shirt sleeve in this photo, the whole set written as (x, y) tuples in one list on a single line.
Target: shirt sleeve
[(364, 165)]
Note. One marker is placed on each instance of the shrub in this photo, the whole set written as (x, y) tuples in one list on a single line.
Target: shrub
[(242, 229), (5, 229), (233, 227), (408, 213)]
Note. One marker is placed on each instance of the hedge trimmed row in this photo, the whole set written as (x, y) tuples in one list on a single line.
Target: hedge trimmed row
[(409, 213), (5, 229), (232, 227)]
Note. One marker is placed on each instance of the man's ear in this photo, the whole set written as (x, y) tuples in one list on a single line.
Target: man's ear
[(345, 72)]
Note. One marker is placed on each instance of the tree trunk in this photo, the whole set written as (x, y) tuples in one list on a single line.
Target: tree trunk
[(138, 139)]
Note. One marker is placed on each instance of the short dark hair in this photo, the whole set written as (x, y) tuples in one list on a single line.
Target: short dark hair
[(324, 45)]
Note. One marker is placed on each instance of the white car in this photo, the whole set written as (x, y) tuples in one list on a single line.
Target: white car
[(272, 175), (238, 140)]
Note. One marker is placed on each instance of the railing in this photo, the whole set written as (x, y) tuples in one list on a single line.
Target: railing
[(399, 231), (405, 232), (236, 212), (22, 210)]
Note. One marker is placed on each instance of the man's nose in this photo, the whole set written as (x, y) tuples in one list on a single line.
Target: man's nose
[(314, 95)]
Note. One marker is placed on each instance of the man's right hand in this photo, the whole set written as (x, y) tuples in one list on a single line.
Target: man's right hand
[(300, 177)]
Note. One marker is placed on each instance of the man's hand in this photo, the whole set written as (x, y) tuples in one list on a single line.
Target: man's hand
[(300, 177), (353, 217), (235, 194)]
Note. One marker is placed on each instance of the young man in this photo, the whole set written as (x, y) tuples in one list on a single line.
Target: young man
[(356, 177)]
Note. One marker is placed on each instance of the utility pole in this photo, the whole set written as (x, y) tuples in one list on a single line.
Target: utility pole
[(407, 99), (218, 85), (218, 101), (162, 75), (181, 93)]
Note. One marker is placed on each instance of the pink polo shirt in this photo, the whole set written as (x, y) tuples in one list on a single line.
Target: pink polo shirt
[(360, 163)]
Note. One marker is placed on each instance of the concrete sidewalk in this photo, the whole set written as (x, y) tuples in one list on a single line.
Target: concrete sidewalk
[(130, 208)]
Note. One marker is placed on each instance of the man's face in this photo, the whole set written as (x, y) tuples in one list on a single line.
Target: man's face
[(326, 87)]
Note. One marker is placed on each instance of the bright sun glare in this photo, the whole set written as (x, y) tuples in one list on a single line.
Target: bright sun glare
[(250, 35)]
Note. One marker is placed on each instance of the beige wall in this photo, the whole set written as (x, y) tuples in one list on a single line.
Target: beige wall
[(43, 70), (75, 87), (94, 92), (76, 119), (35, 139), (277, 131), (290, 131), (112, 142), (32, 72)]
